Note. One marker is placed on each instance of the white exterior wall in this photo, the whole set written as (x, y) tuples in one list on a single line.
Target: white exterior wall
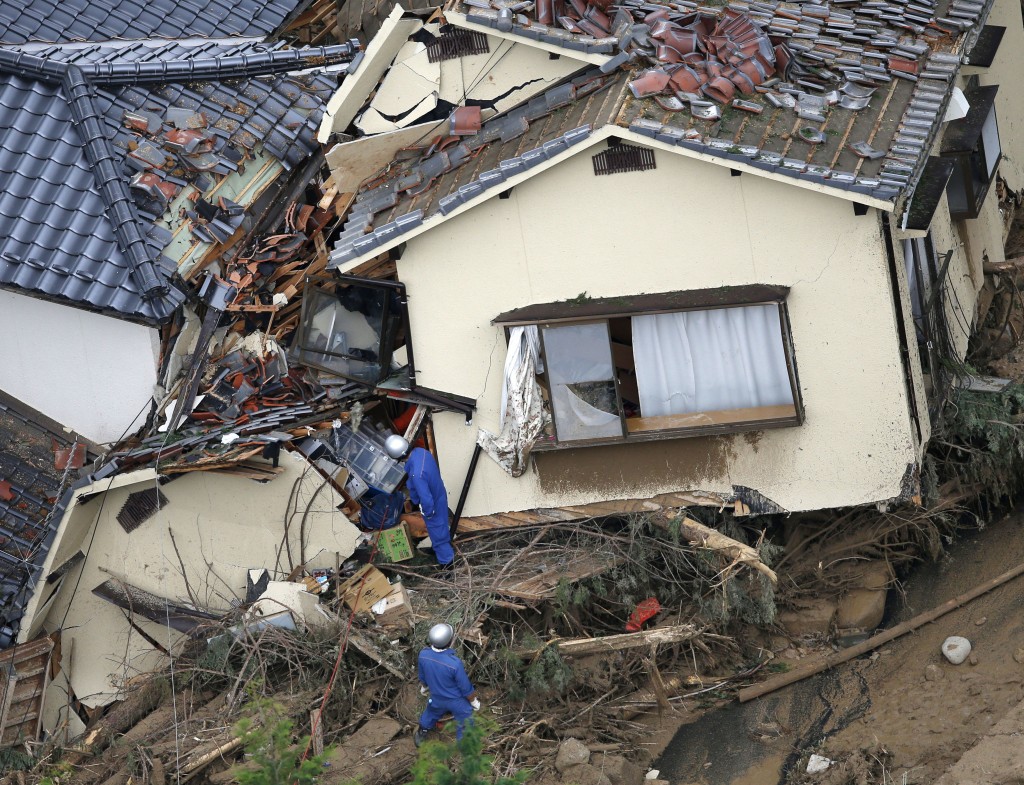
[(94, 374), (231, 523), (686, 225)]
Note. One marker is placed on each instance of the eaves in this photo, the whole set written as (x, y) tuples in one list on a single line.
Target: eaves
[(460, 19), (416, 228)]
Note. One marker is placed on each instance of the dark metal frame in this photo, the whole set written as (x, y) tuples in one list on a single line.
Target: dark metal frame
[(319, 283), (964, 139)]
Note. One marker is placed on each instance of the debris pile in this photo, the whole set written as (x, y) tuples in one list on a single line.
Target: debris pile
[(541, 618)]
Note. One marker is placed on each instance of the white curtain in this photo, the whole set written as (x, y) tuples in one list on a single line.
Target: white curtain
[(703, 361), (522, 410)]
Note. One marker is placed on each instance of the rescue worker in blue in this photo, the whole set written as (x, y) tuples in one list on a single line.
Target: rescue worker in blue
[(427, 490), (443, 674)]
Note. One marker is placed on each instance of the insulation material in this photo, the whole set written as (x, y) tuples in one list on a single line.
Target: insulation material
[(522, 409)]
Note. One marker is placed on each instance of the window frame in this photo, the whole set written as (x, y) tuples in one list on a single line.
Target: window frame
[(321, 285), (628, 437), (965, 139)]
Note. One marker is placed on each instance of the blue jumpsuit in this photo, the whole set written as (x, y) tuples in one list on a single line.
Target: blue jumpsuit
[(427, 490), (445, 675)]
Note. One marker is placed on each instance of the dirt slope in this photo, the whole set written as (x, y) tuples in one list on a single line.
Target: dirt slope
[(903, 708)]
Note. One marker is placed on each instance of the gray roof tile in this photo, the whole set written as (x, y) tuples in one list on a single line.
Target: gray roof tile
[(31, 507), (103, 20), (60, 219)]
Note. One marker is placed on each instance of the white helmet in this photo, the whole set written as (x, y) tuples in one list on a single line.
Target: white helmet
[(396, 446), (440, 635)]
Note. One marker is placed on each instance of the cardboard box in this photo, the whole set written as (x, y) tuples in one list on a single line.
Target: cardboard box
[(398, 611), (394, 543), (375, 588)]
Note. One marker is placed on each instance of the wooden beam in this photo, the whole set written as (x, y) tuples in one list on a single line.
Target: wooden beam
[(1012, 265), (630, 640)]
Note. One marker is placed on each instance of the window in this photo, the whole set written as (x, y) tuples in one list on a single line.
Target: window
[(972, 142), (716, 362), (350, 327)]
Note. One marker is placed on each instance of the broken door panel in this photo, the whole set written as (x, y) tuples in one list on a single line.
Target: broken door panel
[(349, 328)]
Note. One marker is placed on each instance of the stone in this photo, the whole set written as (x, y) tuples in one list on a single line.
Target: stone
[(981, 621), (864, 605), (653, 774), (1018, 656), (956, 649), (933, 673), (816, 764), (815, 618), (618, 769), (571, 752), (584, 774), (973, 659), (863, 608)]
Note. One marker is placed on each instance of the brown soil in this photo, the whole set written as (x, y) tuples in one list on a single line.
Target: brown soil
[(902, 710)]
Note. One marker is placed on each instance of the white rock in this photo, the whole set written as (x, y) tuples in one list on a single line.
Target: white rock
[(817, 764), (653, 774), (956, 649)]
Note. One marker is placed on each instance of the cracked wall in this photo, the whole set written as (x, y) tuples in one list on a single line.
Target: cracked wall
[(685, 225)]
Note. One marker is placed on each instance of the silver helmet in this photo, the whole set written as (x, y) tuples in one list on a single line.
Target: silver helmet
[(440, 635), (396, 446)]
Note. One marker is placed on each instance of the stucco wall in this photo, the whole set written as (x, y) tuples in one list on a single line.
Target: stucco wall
[(91, 373), (686, 225), (232, 523)]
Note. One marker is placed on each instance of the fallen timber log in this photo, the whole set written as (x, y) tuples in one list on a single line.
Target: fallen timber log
[(582, 646), (704, 537), (810, 669)]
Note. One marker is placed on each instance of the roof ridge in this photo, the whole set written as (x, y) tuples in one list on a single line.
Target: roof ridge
[(234, 66), (153, 285)]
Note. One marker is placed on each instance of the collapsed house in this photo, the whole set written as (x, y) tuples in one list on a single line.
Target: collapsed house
[(729, 260), (599, 260)]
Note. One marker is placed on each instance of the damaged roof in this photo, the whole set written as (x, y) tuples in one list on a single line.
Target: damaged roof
[(57, 21), (39, 469), (848, 96), (97, 140)]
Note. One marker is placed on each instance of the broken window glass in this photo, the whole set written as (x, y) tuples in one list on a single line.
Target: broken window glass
[(349, 329), (647, 375), (583, 396)]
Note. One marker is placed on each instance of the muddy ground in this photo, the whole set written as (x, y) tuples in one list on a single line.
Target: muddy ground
[(903, 709)]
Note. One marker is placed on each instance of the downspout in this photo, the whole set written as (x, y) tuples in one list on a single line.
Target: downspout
[(477, 449), (901, 326)]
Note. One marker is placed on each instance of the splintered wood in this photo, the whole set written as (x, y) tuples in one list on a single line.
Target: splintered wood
[(544, 586), (703, 537), (631, 640)]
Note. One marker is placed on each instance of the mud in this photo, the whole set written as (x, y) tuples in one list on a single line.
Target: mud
[(878, 716)]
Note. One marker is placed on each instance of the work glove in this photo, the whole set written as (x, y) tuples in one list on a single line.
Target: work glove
[(475, 703), (424, 690)]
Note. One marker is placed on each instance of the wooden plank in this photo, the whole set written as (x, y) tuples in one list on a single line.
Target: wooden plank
[(364, 646), (698, 419), (415, 422), (544, 586), (630, 640)]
